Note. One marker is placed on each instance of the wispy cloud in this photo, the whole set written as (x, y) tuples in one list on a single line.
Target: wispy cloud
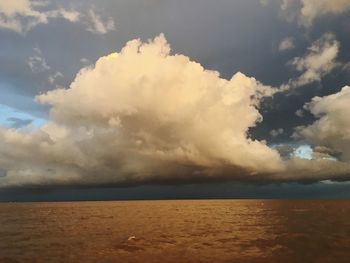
[(37, 63), (318, 61), (286, 44), (98, 25), (23, 15)]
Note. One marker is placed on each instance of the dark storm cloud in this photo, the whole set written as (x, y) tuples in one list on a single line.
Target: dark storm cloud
[(189, 191)]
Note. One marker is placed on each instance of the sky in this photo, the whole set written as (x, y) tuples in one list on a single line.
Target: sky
[(174, 99)]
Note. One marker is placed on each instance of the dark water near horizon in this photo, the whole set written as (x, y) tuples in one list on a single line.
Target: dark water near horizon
[(241, 231)]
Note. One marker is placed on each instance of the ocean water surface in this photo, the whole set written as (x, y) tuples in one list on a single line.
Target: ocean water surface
[(176, 231)]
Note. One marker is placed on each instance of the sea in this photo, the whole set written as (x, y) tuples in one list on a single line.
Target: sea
[(242, 231)]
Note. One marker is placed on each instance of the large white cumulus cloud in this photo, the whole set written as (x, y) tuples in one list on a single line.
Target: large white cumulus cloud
[(142, 115)]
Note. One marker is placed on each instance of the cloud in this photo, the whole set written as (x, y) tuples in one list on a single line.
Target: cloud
[(264, 2), (313, 170), (70, 15), (19, 123), (144, 115), (322, 152), (14, 118), (37, 63), (54, 76), (11, 13), (286, 44), (23, 15), (85, 61), (276, 132), (299, 113), (306, 11), (98, 26), (285, 150), (319, 61), (331, 129)]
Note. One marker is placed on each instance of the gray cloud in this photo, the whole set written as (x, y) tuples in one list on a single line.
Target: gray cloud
[(276, 132), (285, 150), (2, 173), (286, 44)]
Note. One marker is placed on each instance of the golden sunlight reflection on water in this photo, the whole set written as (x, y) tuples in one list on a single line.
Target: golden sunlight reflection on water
[(176, 231)]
